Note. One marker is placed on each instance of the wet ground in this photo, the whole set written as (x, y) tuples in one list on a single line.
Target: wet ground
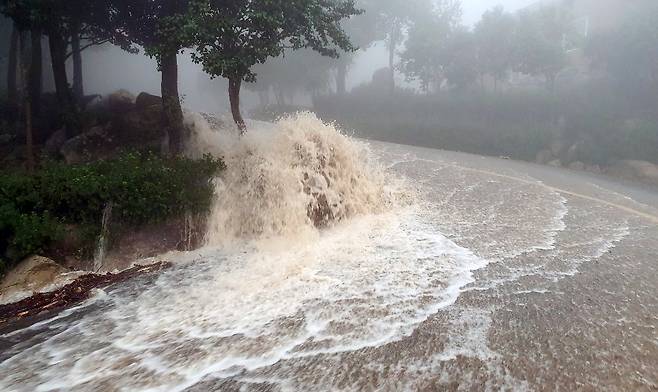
[(501, 275)]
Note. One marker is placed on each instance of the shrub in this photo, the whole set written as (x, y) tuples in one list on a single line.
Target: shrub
[(142, 189)]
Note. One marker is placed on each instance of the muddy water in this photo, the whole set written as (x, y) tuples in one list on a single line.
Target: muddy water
[(493, 275)]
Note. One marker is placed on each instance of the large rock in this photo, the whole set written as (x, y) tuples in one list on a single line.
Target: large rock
[(121, 101), (544, 156), (596, 169), (138, 128), (146, 100), (635, 170), (555, 163), (572, 154), (35, 273), (557, 147), (97, 143), (55, 142), (579, 166)]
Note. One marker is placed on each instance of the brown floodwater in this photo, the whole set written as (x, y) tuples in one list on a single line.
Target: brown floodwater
[(491, 275)]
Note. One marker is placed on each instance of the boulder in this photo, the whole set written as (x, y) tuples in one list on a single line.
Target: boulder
[(635, 170), (544, 156), (121, 101), (146, 100), (596, 169), (555, 163), (55, 142), (557, 147), (35, 273), (139, 130), (577, 166), (97, 143), (571, 155)]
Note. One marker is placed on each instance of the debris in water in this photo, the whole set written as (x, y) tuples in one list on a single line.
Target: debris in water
[(71, 294)]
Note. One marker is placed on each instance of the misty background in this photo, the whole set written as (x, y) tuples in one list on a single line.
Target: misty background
[(109, 68), (569, 83)]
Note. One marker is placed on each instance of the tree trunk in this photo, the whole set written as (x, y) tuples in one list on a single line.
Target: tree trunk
[(264, 98), (78, 87), (234, 85), (393, 44), (341, 79), (550, 82), (35, 79), (58, 59), (25, 61), (12, 72), (171, 108)]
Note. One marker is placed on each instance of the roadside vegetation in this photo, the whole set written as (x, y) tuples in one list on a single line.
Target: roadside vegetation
[(37, 211), (63, 152)]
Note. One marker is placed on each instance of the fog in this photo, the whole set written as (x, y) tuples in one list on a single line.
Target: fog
[(565, 82)]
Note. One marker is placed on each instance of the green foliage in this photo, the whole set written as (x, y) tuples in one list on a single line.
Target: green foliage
[(23, 233), (541, 42), (629, 53), (495, 36), (233, 36), (161, 27), (142, 189)]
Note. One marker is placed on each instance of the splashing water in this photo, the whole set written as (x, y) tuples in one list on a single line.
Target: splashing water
[(288, 178), (101, 247), (338, 308)]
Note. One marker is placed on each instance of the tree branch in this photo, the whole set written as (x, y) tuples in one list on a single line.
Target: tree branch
[(93, 43)]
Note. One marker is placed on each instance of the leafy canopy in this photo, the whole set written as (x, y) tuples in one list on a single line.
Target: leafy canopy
[(232, 36)]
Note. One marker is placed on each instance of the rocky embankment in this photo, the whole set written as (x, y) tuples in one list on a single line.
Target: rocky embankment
[(561, 154)]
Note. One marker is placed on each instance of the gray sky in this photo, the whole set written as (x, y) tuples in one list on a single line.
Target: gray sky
[(473, 9)]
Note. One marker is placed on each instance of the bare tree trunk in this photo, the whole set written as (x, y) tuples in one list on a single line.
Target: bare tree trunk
[(25, 65), (234, 85), (341, 78), (35, 80), (264, 98), (78, 87), (393, 44), (12, 72), (172, 111), (57, 46)]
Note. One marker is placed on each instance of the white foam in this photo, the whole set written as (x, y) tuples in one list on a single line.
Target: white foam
[(363, 283)]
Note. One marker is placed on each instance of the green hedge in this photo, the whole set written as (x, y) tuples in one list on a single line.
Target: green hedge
[(142, 188)]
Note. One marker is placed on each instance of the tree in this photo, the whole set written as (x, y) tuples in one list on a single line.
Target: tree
[(12, 88), (541, 43), (293, 72), (232, 36), (495, 35), (163, 29), (395, 16), (59, 20), (629, 53), (426, 55), (26, 21), (88, 26), (460, 54), (363, 31)]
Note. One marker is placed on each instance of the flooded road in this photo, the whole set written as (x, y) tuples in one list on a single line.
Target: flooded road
[(494, 275)]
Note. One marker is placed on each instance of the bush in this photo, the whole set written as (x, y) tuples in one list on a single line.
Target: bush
[(142, 189), (515, 123)]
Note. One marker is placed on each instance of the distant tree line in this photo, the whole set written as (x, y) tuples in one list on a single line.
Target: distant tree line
[(517, 84), (427, 43)]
